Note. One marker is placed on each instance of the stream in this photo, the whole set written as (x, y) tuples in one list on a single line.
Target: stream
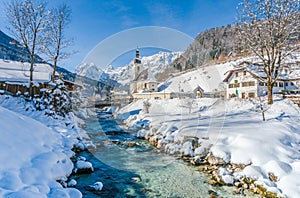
[(131, 167)]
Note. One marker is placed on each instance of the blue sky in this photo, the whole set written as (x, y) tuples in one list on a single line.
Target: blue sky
[(96, 20)]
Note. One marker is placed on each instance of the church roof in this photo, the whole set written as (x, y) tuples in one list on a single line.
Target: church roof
[(142, 76)]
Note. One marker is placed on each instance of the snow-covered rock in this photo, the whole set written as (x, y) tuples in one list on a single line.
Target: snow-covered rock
[(187, 149), (72, 183), (97, 186), (83, 167), (228, 179)]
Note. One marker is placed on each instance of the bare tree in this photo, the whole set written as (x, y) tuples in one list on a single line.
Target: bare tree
[(189, 104), (146, 106), (270, 30), (56, 40), (28, 20)]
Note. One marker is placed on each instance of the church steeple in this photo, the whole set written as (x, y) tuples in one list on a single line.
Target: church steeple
[(137, 65), (137, 56)]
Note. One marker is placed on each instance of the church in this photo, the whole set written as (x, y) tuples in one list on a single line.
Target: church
[(142, 81)]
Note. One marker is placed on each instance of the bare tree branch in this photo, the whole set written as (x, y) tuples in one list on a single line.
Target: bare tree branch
[(28, 20), (56, 39), (270, 30)]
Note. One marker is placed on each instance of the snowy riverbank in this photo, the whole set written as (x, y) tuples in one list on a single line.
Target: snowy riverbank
[(35, 150), (227, 132)]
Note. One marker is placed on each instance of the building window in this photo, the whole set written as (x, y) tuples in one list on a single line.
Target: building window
[(236, 74), (251, 83), (244, 84), (230, 85), (292, 84), (280, 84), (286, 84), (245, 72), (237, 85), (275, 84), (251, 95), (261, 84), (243, 95)]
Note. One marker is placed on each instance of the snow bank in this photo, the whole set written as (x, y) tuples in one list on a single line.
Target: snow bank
[(230, 130), (36, 151), (33, 158)]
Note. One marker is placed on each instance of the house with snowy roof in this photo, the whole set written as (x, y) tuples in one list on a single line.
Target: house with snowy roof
[(14, 77), (249, 81)]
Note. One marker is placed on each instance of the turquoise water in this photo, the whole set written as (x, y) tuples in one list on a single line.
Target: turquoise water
[(140, 170)]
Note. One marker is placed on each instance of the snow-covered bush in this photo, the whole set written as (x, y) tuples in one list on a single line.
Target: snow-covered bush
[(57, 100)]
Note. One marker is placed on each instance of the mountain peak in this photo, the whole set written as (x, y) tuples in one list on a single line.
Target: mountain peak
[(155, 64)]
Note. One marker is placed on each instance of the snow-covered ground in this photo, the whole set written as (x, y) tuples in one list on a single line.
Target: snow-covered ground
[(232, 130), (35, 151), (209, 78)]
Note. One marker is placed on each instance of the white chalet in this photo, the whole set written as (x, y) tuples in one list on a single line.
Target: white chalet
[(244, 82)]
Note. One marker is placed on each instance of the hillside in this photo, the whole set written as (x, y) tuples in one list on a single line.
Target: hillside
[(10, 49), (211, 46)]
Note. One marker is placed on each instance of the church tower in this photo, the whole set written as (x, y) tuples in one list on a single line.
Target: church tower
[(137, 65)]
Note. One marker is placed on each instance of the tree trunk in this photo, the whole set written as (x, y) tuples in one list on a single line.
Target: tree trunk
[(270, 94), (31, 75), (54, 70), (262, 109), (263, 115)]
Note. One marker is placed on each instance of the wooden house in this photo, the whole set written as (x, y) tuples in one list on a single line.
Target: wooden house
[(14, 77)]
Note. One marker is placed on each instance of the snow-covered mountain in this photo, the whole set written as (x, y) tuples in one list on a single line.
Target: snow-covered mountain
[(156, 64)]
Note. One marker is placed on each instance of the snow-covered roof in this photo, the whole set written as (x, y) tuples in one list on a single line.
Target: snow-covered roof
[(256, 71), (230, 72), (142, 76), (11, 71)]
